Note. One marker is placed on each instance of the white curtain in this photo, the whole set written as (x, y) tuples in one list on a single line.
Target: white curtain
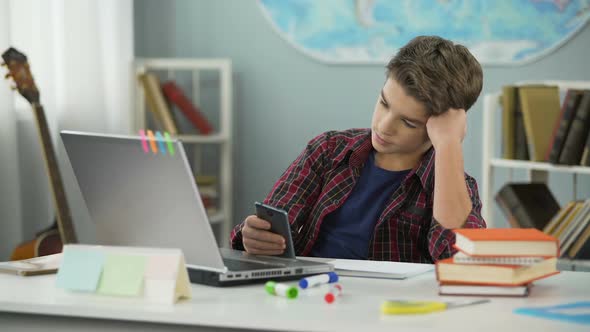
[(80, 52)]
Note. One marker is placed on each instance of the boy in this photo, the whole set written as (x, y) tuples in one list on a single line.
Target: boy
[(394, 191)]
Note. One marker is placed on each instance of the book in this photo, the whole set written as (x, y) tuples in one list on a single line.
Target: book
[(577, 134), (558, 218), (585, 160), (378, 269), (575, 227), (494, 275), (157, 104), (463, 258), (568, 219), (191, 111), (33, 266), (505, 242), (563, 123), (483, 290), (580, 248), (527, 205), (540, 108), (521, 147), (508, 117)]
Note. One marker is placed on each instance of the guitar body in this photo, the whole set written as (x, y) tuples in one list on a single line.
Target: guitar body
[(46, 242), (50, 240)]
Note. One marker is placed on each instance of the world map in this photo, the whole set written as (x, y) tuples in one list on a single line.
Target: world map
[(371, 31)]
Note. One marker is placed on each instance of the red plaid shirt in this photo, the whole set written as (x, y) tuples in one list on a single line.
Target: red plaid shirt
[(322, 177)]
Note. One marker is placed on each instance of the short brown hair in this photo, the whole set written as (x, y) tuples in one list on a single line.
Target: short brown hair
[(438, 73)]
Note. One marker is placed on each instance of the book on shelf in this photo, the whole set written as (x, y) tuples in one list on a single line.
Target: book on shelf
[(527, 205), (516, 242), (515, 140), (539, 105), (563, 124), (571, 227), (498, 275), (157, 104), (585, 160), (554, 222), (192, 112), (577, 135), (581, 247), (483, 290), (508, 101), (575, 227)]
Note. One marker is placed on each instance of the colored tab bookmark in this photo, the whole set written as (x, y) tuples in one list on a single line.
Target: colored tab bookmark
[(169, 143), (152, 142), (160, 140), (144, 143)]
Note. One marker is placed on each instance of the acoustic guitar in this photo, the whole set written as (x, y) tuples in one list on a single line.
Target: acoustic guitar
[(50, 240)]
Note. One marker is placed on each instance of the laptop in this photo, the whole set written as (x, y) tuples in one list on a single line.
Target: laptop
[(139, 198)]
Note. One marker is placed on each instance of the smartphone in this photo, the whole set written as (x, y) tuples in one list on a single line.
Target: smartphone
[(279, 224)]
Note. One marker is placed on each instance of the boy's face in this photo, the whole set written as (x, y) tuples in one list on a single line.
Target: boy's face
[(399, 122)]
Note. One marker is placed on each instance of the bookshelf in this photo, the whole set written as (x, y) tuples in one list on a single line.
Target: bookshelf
[(537, 171), (195, 69)]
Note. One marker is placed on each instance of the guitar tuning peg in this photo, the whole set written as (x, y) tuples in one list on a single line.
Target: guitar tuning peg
[(13, 88), (7, 75)]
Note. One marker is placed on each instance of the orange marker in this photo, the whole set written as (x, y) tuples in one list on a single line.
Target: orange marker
[(152, 141)]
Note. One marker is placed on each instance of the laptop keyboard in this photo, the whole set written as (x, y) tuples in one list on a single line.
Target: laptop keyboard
[(238, 265)]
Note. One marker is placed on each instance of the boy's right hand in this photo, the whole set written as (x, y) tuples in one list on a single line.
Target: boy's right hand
[(259, 240)]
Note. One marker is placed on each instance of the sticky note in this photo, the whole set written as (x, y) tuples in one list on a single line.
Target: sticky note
[(80, 269), (162, 267), (122, 275)]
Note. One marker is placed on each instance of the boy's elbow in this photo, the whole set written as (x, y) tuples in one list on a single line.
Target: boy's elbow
[(453, 220)]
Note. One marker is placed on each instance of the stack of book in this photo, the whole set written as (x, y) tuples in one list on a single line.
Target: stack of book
[(497, 262)]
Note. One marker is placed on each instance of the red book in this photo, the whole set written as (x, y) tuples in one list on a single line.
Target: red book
[(447, 271), (192, 112), (505, 242)]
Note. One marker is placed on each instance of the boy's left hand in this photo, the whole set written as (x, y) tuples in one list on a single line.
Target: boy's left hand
[(449, 127)]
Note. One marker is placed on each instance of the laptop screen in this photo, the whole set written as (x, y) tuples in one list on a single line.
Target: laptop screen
[(136, 197)]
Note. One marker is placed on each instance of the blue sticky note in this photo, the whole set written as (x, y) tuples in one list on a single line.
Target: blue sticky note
[(575, 312), (80, 269)]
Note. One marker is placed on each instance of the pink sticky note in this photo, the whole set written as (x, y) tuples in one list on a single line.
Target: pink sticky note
[(162, 267), (144, 141)]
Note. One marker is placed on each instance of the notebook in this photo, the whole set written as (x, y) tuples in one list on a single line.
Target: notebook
[(136, 197)]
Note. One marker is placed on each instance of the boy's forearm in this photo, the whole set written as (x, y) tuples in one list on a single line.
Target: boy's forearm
[(452, 203)]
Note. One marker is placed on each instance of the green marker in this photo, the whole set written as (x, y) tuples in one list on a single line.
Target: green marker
[(278, 289), (169, 143)]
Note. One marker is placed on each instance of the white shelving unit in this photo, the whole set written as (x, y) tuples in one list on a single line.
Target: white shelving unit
[(537, 171), (222, 137)]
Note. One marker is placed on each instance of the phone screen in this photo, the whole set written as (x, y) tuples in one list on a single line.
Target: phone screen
[(279, 221)]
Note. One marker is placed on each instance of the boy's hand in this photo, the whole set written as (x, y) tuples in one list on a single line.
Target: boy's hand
[(258, 240), (449, 127)]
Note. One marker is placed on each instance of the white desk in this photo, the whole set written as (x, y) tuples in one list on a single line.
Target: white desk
[(33, 303)]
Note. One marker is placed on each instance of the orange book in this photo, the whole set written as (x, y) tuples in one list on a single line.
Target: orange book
[(506, 242), (447, 271)]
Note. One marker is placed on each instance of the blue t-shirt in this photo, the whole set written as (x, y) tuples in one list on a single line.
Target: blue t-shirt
[(346, 232)]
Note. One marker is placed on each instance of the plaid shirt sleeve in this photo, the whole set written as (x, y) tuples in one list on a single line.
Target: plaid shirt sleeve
[(297, 189), (441, 240)]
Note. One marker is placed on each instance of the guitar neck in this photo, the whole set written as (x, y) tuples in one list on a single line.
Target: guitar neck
[(64, 217)]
